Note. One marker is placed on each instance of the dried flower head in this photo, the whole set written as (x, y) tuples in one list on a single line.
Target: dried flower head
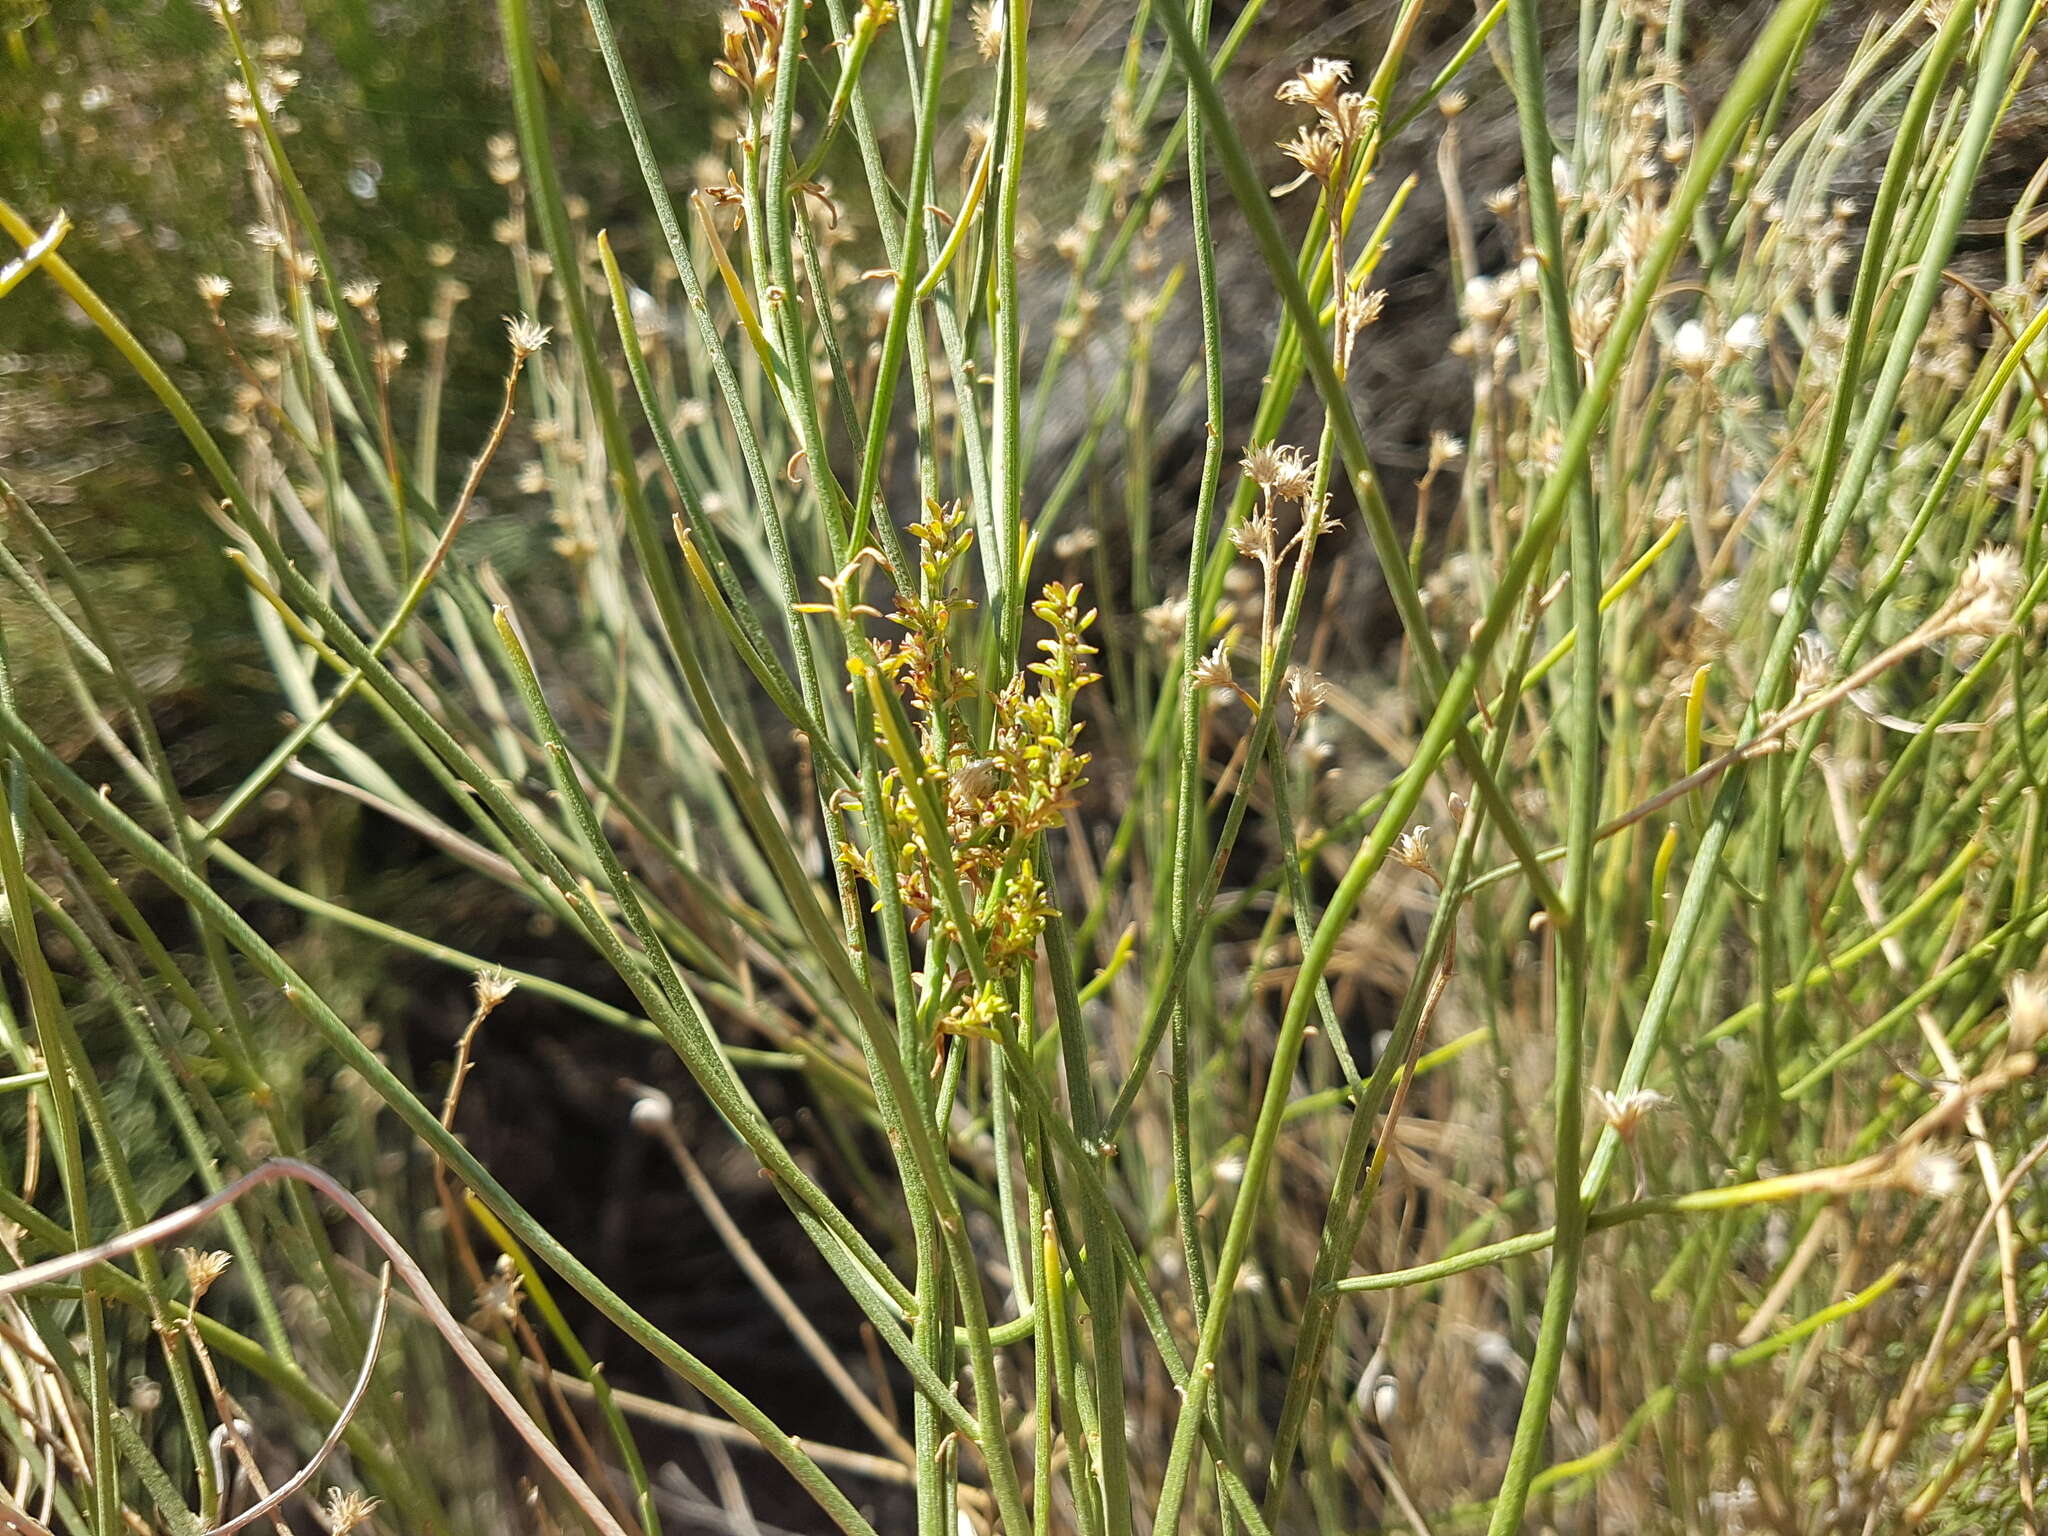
[(274, 329), (1317, 151), (1692, 349), (2026, 1011), (1813, 664), (499, 1297), (1213, 670), (1255, 538), (1366, 308), (526, 334), (1720, 606), (502, 159), (1353, 118), (1316, 519), (1982, 603), (1307, 691), (1280, 469), (1937, 1175), (492, 988), (1745, 335), (1074, 543), (1317, 85), (348, 1511), (974, 779), (1412, 849), (1164, 621), (988, 28), (1625, 1112), (203, 1269)]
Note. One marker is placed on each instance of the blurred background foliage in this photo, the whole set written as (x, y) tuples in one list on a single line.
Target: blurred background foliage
[(117, 114)]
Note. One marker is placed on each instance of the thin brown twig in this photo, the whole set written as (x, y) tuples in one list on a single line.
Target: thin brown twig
[(655, 1115), (174, 1223), (349, 1407), (1894, 1440), (666, 1415), (1986, 1159), (231, 1434)]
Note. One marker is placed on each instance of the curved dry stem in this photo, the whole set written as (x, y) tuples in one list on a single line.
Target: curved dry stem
[(354, 1401), (175, 1223)]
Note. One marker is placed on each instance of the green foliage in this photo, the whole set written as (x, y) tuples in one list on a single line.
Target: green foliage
[(1201, 1142)]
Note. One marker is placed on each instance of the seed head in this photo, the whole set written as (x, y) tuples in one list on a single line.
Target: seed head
[(1692, 349), (1307, 691), (1316, 150), (2026, 1011), (1316, 519), (1353, 118), (1254, 537), (1936, 1175), (1317, 85), (974, 779), (1982, 604), (1814, 667), (1280, 470), (1366, 308), (492, 988), (988, 29), (1412, 849), (1627, 1111), (502, 155), (346, 1511), (1213, 670), (1745, 335), (202, 1270), (499, 1297), (653, 1111), (526, 334)]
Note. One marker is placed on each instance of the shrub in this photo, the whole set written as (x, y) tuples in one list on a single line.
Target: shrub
[(1203, 1141)]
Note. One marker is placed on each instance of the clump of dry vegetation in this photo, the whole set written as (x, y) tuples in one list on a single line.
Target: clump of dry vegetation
[(1578, 1070)]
